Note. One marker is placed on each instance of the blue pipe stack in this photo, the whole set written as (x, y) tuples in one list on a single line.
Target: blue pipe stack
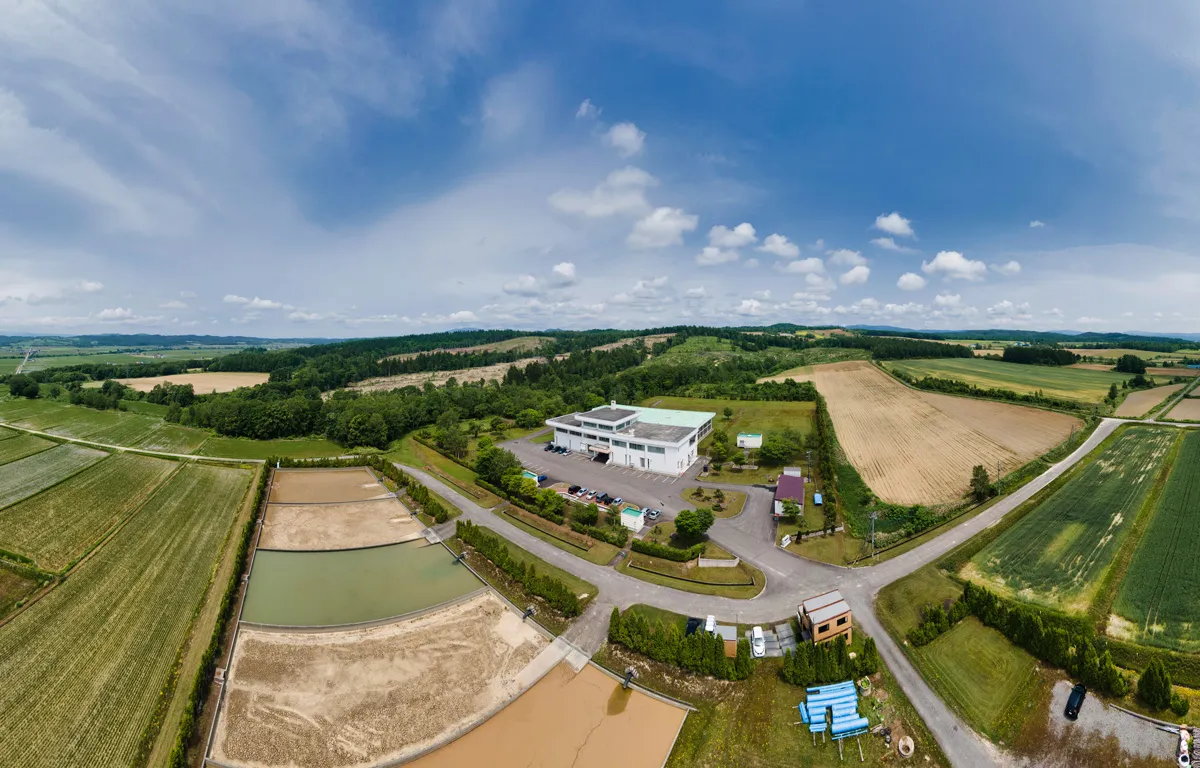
[(841, 700)]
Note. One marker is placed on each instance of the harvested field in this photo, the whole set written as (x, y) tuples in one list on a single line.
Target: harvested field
[(17, 448), (202, 383), (919, 447), (1188, 409), (338, 526), (1156, 603), (1138, 403), (323, 486), (1068, 382), (582, 720), (650, 341), (438, 378), (57, 526), (373, 695), (1167, 372), (21, 479), (520, 343), (84, 668), (1059, 553)]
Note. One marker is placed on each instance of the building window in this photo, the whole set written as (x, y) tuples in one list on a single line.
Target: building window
[(841, 621), (604, 439), (577, 434), (823, 628), (619, 444), (656, 449), (604, 427), (693, 440), (636, 447)]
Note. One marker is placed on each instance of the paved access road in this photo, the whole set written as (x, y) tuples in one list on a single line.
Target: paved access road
[(790, 579)]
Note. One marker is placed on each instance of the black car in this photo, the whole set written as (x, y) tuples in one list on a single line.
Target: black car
[(605, 499), (549, 447), (573, 489), (1075, 701)]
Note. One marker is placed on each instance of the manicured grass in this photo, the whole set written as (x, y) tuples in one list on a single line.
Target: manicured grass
[(409, 451), (664, 533), (1059, 553), (1065, 382), (1156, 603), (600, 553), (57, 526), (241, 448), (703, 497), (753, 722), (748, 415), (900, 603), (543, 438), (85, 666), (981, 675), (21, 446), (668, 573), (21, 479)]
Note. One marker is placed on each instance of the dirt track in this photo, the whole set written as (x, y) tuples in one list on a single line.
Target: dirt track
[(919, 447), (363, 697), (322, 486), (338, 526)]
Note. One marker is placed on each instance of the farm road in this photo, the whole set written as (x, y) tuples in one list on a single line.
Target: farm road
[(790, 579)]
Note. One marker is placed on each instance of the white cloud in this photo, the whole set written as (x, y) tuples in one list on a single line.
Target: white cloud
[(257, 303), (844, 257), (1007, 310), (1008, 268), (90, 286), (894, 224), (749, 308), (1055, 313), (1035, 224), (1087, 320), (661, 228), (462, 316), (525, 285), (811, 265), (780, 246), (232, 298), (125, 316), (954, 266), (306, 317), (696, 293), (738, 237), (587, 110), (622, 192), (173, 304), (856, 276), (711, 256), (564, 273), (949, 300), (513, 104), (117, 313), (818, 283), (910, 281), (626, 139), (889, 244), (763, 295)]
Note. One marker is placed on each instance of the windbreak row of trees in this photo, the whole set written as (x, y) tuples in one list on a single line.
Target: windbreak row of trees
[(1040, 356)]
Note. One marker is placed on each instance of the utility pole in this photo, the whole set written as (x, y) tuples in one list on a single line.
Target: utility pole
[(874, 517), (998, 489)]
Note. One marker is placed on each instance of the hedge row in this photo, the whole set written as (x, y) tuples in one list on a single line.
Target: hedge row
[(667, 553), (618, 537), (827, 463), (698, 652), (491, 546), (523, 503), (825, 663)]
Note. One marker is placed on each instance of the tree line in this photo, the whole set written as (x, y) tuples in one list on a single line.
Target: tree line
[(698, 652), (1039, 356), (824, 663), (554, 591)]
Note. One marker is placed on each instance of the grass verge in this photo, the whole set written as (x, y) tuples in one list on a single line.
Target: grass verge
[(409, 451), (719, 581), (600, 553)]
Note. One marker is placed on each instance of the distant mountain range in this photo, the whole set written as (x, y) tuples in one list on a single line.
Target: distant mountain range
[(997, 334), (150, 340)]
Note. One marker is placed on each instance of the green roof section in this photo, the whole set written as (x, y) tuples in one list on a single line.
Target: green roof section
[(671, 418), (749, 434)]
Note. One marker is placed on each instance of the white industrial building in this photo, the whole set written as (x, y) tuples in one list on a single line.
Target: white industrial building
[(652, 439)]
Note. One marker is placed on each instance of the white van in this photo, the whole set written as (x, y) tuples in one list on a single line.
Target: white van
[(758, 643), (710, 625)]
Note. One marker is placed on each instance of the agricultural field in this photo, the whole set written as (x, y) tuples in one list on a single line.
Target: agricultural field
[(23, 478), (122, 617), (915, 447), (108, 427), (58, 525), (438, 378), (1113, 354), (748, 415), (243, 448), (1066, 382), (1187, 409), (21, 446), (62, 356), (1058, 554), (1157, 602), (519, 344), (202, 383), (15, 586), (1138, 403)]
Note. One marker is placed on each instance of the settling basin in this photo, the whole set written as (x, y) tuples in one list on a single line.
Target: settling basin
[(316, 589)]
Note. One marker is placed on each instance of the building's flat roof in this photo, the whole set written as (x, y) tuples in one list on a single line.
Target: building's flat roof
[(568, 420), (661, 432), (820, 601), (749, 434), (632, 512), (672, 418), (608, 414), (829, 612)]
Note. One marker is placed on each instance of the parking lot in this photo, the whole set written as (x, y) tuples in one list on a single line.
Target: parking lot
[(646, 489)]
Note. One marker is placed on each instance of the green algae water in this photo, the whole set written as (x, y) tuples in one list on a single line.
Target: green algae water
[(313, 589)]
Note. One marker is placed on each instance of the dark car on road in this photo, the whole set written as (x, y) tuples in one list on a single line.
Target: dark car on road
[(1075, 701), (549, 447), (573, 489)]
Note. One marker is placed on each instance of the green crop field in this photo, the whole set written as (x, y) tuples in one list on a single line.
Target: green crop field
[(1057, 554), (58, 357), (57, 526), (22, 446), (1157, 601), (1070, 383), (21, 479), (980, 674), (110, 427), (84, 667), (239, 448)]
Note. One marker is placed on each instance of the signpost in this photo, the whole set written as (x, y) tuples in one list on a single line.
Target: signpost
[(787, 539)]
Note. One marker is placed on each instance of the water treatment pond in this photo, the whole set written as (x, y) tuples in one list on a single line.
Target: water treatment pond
[(312, 589)]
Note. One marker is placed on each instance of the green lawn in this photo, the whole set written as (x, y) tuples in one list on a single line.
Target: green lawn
[(409, 451), (900, 603), (600, 553), (1069, 383), (242, 448), (748, 415), (1156, 603), (1059, 553), (981, 675), (668, 573), (702, 497)]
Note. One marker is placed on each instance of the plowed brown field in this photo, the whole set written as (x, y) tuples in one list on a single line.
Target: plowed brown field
[(1137, 403), (919, 447), (1187, 410)]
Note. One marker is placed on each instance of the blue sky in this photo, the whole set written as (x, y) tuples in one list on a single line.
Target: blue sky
[(347, 169)]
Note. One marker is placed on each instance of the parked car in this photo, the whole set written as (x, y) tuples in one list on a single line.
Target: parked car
[(549, 447), (581, 492), (559, 449), (710, 624), (1075, 701), (541, 479), (758, 643), (617, 501), (573, 490), (651, 514), (591, 495), (567, 452)]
